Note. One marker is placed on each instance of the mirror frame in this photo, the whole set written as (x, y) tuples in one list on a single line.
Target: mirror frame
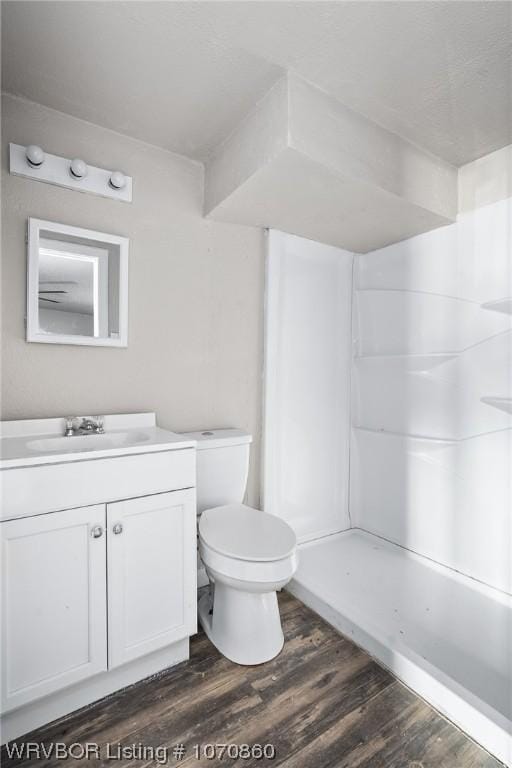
[(33, 236)]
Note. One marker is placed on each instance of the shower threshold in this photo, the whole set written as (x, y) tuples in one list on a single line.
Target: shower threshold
[(445, 635)]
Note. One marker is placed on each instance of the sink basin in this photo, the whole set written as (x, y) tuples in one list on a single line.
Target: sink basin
[(43, 471), (36, 442), (87, 442)]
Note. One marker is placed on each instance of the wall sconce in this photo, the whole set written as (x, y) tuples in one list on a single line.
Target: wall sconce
[(34, 156), (33, 163)]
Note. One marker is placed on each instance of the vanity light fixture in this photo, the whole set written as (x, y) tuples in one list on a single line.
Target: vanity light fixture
[(117, 180), (74, 173), (34, 156), (78, 168)]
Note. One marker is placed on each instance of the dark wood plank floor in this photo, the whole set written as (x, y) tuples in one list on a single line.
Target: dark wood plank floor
[(322, 702)]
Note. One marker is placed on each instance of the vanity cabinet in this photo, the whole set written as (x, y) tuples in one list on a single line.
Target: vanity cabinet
[(98, 562), (151, 574), (87, 590), (54, 619)]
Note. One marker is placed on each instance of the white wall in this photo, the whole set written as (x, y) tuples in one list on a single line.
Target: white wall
[(195, 298), (307, 384), (415, 302)]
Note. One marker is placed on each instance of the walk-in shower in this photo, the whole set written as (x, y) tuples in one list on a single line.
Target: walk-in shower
[(388, 447)]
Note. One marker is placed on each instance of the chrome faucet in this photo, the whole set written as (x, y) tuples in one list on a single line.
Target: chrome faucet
[(84, 425)]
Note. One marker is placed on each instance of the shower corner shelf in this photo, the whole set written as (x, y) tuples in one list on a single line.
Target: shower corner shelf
[(499, 305), (428, 439), (415, 361), (502, 403)]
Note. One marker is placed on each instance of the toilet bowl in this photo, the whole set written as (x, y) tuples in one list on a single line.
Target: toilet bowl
[(248, 555)]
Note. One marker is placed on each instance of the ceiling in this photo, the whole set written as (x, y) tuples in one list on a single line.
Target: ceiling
[(181, 75)]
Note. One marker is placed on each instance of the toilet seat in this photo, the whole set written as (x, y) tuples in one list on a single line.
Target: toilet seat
[(249, 555), (248, 571), (239, 532)]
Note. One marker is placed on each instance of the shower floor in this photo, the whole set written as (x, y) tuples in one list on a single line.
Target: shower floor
[(446, 636)]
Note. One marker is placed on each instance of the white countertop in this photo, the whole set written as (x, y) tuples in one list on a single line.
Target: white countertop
[(35, 442)]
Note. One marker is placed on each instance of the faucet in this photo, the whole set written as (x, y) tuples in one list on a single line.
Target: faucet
[(85, 425)]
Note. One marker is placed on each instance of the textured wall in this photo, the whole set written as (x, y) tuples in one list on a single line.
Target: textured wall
[(195, 300), (486, 180)]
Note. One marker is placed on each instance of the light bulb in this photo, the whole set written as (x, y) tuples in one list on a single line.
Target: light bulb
[(78, 168), (117, 180), (34, 155)]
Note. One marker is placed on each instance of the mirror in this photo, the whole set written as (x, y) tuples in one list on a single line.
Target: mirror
[(77, 287)]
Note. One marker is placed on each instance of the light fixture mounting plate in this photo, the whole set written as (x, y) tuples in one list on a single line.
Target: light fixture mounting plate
[(55, 170)]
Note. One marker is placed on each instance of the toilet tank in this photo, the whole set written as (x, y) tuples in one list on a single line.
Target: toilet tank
[(222, 466)]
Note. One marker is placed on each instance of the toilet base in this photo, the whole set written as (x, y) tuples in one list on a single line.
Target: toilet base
[(244, 626)]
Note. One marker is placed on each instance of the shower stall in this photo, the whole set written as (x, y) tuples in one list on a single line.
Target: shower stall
[(388, 448)]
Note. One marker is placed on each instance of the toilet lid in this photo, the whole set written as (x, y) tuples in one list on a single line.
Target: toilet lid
[(246, 533)]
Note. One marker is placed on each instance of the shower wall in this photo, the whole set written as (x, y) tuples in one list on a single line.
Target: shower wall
[(307, 384), (431, 448)]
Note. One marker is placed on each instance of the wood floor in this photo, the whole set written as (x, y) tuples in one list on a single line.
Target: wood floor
[(322, 702)]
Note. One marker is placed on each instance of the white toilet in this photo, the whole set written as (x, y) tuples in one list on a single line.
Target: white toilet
[(248, 554)]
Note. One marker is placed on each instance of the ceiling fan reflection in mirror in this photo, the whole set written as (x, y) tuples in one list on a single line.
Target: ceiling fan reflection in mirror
[(58, 291)]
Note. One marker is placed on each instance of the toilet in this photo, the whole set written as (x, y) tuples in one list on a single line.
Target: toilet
[(248, 554)]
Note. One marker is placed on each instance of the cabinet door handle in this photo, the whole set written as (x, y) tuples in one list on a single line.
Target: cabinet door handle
[(117, 528), (97, 532)]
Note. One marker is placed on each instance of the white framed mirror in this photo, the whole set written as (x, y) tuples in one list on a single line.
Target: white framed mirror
[(77, 285)]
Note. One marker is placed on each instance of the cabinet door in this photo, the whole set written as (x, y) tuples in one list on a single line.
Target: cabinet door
[(54, 629), (151, 573)]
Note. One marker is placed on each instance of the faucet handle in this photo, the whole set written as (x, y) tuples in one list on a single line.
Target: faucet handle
[(69, 426), (93, 424)]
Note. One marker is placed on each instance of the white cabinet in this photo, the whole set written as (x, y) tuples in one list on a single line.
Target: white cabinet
[(29, 491), (98, 563), (67, 576), (54, 630), (151, 545)]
